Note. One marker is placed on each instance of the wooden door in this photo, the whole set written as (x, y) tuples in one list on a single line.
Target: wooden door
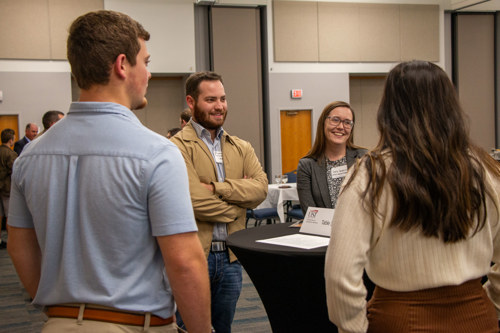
[(12, 122), (295, 137)]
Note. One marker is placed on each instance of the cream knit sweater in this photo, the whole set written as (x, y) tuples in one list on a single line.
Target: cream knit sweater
[(399, 261)]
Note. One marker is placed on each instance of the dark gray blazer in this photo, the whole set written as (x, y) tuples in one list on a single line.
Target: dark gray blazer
[(312, 185)]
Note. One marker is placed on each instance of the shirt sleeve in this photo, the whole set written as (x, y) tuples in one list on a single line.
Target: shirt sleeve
[(345, 261), (19, 214), (169, 202)]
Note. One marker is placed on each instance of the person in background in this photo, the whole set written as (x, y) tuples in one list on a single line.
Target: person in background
[(7, 158), (29, 134), (96, 233), (225, 178), (421, 213), (173, 131), (321, 172), (50, 118), (185, 117)]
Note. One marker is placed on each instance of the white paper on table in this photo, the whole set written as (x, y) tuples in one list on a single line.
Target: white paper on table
[(298, 240)]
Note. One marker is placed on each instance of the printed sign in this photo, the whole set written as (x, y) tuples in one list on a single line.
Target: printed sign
[(318, 221)]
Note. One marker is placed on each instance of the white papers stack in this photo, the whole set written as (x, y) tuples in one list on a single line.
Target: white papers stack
[(298, 240)]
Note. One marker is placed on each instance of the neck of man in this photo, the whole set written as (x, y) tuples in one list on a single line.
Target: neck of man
[(104, 93)]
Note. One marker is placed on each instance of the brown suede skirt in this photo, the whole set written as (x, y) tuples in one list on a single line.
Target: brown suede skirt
[(460, 309)]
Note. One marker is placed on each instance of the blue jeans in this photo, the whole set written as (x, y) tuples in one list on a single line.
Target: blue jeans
[(225, 286)]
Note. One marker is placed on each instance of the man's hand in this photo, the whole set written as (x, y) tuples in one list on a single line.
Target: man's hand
[(209, 187)]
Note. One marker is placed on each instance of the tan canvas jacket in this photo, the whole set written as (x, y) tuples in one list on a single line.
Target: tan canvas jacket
[(245, 185)]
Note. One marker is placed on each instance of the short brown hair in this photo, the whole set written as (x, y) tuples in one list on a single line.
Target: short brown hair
[(194, 80), (51, 117), (96, 39), (7, 134), (186, 115)]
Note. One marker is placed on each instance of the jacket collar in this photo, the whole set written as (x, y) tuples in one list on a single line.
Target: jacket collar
[(188, 133)]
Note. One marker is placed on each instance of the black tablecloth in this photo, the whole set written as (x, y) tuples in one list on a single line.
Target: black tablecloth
[(289, 281)]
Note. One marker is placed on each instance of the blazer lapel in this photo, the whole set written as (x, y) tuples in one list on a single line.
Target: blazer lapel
[(319, 171)]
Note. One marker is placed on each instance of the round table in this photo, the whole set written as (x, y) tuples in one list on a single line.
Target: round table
[(289, 280)]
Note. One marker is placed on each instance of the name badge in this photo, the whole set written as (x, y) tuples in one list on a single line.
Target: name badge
[(340, 171), (218, 157)]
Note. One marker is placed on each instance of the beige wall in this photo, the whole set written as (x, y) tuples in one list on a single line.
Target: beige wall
[(354, 32), (236, 56), (475, 65), (38, 29), (366, 93)]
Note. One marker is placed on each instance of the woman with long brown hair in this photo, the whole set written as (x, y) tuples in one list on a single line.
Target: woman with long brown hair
[(321, 172), (421, 214)]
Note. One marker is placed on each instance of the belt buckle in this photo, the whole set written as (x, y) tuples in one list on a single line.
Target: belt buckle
[(218, 246)]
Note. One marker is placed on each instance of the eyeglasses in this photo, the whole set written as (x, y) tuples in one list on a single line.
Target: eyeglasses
[(335, 121)]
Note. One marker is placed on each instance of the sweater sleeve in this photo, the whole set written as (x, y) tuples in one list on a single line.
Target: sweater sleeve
[(345, 260), (492, 286)]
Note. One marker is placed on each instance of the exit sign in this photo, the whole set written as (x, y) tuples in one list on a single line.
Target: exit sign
[(296, 93)]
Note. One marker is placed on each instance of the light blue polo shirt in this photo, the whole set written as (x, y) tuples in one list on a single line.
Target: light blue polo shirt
[(98, 187)]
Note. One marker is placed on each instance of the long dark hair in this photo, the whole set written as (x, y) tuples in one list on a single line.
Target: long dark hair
[(437, 176), (318, 149)]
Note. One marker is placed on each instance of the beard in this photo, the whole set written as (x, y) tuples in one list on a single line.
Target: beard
[(203, 118)]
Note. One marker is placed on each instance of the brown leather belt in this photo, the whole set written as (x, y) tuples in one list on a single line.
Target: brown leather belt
[(111, 316)]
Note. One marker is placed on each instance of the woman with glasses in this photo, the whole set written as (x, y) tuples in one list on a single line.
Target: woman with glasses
[(421, 213), (321, 172)]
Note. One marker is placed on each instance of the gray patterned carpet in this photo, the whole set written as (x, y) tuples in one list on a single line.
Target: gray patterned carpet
[(17, 315)]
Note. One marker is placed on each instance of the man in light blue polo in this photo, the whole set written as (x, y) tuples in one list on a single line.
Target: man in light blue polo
[(100, 206)]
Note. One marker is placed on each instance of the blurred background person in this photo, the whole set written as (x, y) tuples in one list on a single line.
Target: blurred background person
[(173, 131), (321, 172), (185, 117), (50, 118), (7, 158), (421, 213), (30, 133)]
